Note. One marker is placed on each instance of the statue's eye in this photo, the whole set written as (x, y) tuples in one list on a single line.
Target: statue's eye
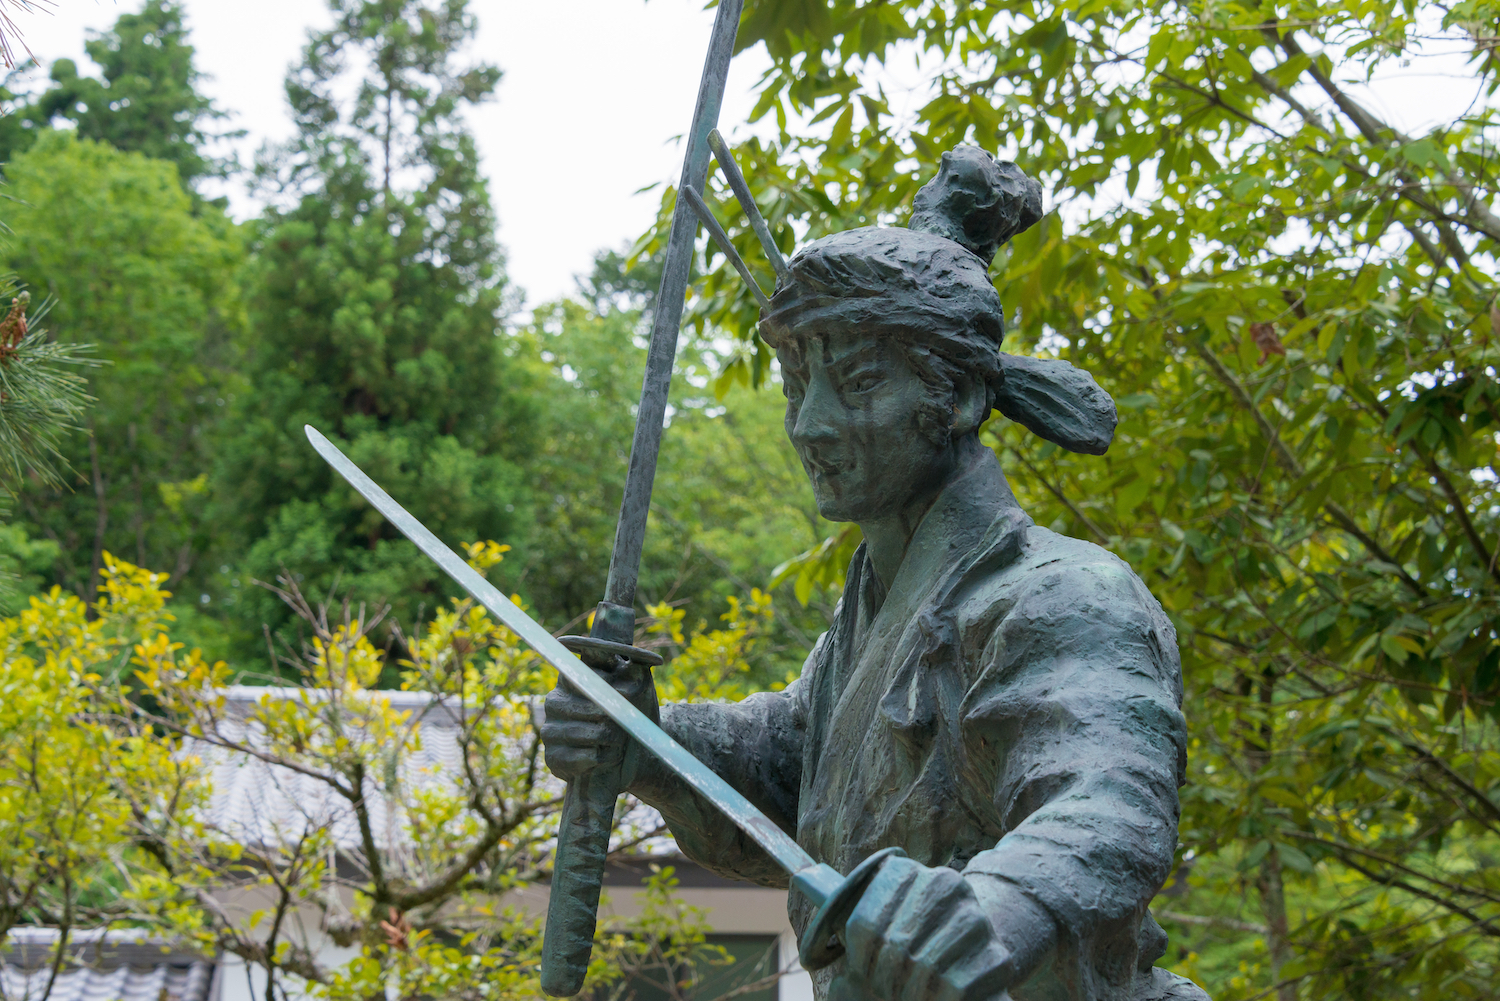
[(861, 382)]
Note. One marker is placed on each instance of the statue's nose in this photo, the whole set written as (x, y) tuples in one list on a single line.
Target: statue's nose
[(817, 417)]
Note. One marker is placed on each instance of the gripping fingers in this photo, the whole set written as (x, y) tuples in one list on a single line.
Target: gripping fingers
[(919, 934), (913, 935), (565, 703), (865, 933), (574, 747), (965, 962)]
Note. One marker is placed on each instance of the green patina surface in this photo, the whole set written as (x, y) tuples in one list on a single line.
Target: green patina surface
[(1000, 702)]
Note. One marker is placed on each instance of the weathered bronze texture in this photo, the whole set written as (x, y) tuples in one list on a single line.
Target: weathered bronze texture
[(589, 803), (999, 702), (630, 533)]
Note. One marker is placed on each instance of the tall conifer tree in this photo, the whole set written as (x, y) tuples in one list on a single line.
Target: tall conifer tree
[(144, 100), (375, 309)]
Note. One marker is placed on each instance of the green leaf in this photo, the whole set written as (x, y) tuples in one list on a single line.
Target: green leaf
[(1254, 856), (1294, 858)]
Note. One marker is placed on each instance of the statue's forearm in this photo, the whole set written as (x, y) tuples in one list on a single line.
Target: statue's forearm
[(654, 783), (1022, 925), (736, 742)]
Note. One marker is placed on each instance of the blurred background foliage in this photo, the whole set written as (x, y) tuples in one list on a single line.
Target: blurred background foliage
[(1293, 302), (370, 299)]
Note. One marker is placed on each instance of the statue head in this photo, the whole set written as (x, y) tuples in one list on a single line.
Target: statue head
[(889, 341)]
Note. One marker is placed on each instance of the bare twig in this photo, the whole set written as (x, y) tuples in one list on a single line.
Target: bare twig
[(1211, 921)]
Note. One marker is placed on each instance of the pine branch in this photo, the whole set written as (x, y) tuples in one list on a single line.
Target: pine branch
[(42, 398)]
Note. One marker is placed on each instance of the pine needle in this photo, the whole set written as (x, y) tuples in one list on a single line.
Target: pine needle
[(10, 32), (42, 398)]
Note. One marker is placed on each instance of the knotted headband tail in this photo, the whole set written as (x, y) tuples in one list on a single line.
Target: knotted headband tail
[(1058, 402), (929, 284)]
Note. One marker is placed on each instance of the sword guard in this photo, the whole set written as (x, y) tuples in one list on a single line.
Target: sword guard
[(613, 629), (822, 942), (600, 654)]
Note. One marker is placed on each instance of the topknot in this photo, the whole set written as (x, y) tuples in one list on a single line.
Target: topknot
[(977, 202)]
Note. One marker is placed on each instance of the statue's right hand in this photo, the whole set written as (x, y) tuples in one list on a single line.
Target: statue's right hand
[(579, 737)]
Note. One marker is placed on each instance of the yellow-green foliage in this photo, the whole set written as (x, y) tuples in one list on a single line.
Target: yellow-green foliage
[(1290, 293), (79, 784), (105, 721), (711, 665)]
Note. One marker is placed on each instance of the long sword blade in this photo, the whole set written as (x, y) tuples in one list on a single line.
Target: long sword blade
[(584, 824), (635, 505), (752, 211), (787, 853)]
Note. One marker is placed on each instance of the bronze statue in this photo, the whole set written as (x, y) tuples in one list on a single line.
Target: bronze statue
[(972, 788), (1001, 702)]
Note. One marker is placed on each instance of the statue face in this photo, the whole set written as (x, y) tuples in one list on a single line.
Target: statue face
[(852, 413)]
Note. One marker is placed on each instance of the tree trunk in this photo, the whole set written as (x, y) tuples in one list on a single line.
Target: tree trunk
[(101, 522), (1273, 907)]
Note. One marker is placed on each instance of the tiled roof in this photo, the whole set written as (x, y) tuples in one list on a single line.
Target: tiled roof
[(259, 803), (116, 966)]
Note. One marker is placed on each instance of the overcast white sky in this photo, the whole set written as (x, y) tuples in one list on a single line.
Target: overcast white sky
[(593, 95)]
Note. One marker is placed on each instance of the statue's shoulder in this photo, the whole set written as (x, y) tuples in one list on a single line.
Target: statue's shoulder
[(1047, 553), (1064, 576)]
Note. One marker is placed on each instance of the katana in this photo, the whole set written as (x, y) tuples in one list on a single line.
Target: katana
[(833, 894), (742, 195), (706, 217), (589, 804)]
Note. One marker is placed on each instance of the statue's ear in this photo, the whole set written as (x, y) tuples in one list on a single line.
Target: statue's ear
[(971, 405)]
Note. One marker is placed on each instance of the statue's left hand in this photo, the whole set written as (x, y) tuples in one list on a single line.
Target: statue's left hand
[(919, 934)]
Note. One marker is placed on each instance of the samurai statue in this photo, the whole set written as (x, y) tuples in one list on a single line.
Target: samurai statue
[(1001, 702)]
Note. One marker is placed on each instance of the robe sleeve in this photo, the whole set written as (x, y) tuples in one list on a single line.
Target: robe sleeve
[(1076, 729), (755, 746)]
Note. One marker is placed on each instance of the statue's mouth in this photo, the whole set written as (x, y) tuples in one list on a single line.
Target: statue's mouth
[(825, 467)]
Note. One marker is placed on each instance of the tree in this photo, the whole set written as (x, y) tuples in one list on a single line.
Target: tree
[(42, 400), (133, 268), (375, 309), (145, 101), (1293, 303), (110, 730), (74, 782), (424, 898)]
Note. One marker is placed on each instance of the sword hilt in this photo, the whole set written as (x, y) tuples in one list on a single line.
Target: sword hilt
[(836, 897), (577, 876), (588, 814)]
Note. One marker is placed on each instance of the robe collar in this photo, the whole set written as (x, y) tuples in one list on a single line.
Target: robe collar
[(974, 519)]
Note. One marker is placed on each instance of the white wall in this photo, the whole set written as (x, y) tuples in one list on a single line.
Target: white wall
[(796, 983), (235, 984), (737, 910)]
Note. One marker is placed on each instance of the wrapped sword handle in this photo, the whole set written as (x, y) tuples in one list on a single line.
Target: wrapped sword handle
[(588, 814), (577, 876)]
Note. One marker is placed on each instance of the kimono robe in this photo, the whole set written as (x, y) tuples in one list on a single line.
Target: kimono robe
[(1011, 707)]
